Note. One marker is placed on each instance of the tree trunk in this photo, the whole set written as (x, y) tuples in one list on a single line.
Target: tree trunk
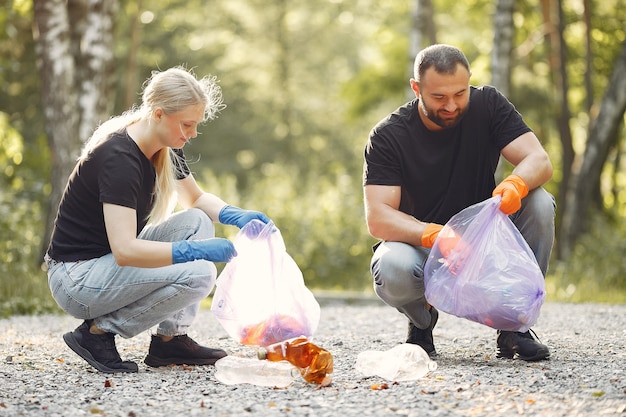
[(568, 154), (131, 73), (59, 97), (602, 135), (94, 60), (503, 32), (74, 44), (588, 56), (423, 32)]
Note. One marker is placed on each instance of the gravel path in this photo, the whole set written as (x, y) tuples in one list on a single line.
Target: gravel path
[(586, 375)]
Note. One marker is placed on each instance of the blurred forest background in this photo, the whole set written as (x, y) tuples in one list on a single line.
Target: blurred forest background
[(304, 81)]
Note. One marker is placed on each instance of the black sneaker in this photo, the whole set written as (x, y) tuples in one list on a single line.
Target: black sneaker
[(181, 350), (424, 337), (98, 350), (525, 345)]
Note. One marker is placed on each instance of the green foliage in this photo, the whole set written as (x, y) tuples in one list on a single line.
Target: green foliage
[(596, 271), (23, 286), (304, 82), (320, 218)]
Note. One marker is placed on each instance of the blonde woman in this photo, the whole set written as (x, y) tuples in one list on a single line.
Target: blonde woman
[(118, 258)]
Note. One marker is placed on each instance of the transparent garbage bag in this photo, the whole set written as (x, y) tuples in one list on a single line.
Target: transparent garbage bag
[(261, 297), (481, 268)]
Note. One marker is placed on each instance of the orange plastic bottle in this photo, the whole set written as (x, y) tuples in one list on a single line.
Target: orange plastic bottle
[(314, 363)]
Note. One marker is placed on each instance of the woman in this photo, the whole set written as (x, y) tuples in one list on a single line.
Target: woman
[(118, 258)]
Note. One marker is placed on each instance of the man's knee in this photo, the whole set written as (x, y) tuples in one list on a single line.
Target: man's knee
[(398, 276), (542, 204), (393, 259)]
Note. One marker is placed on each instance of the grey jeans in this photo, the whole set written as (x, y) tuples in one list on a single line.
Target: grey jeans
[(129, 300), (398, 268)]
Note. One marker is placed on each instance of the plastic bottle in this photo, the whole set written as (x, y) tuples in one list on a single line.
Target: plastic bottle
[(237, 370), (404, 362), (314, 363)]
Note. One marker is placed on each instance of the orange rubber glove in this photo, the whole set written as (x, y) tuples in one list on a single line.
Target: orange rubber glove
[(430, 234), (512, 189)]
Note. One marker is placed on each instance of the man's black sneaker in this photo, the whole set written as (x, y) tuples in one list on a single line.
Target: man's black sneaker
[(98, 350), (181, 350), (525, 345), (424, 337)]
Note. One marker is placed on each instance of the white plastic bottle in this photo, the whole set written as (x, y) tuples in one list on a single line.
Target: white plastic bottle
[(404, 362), (237, 370)]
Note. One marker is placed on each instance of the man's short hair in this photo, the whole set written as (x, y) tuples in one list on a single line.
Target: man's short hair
[(444, 58)]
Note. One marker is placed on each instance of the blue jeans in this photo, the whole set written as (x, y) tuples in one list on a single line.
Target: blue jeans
[(129, 300), (398, 268)]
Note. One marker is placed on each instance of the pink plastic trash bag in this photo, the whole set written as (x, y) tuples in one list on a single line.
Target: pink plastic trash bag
[(481, 268), (261, 298)]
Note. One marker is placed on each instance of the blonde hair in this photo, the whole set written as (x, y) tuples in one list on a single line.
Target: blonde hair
[(171, 90)]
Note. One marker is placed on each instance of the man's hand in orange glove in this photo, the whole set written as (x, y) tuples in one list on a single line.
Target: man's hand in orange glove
[(512, 189), (446, 243), (450, 245), (430, 233)]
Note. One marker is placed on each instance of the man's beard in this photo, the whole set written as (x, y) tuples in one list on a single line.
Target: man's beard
[(434, 117)]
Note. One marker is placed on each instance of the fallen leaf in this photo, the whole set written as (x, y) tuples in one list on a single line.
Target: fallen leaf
[(377, 387)]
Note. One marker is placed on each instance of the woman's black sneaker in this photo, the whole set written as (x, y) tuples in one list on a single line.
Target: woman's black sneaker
[(98, 350), (525, 345), (181, 350), (424, 337)]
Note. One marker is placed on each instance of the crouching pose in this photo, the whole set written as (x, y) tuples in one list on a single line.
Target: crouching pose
[(435, 156), (118, 258)]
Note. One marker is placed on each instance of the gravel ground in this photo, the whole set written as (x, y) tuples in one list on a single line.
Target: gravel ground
[(586, 375)]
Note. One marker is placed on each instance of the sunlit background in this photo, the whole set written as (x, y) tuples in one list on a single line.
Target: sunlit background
[(304, 81)]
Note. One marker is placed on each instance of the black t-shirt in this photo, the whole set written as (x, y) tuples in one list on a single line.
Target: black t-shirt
[(442, 172), (116, 172)]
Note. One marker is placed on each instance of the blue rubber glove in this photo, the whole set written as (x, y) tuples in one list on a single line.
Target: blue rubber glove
[(216, 250), (236, 216)]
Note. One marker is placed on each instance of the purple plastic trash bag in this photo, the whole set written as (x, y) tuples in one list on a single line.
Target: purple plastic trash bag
[(481, 268)]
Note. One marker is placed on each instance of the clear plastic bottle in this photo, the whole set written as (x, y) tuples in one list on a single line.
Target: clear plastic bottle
[(404, 362), (314, 363), (237, 370)]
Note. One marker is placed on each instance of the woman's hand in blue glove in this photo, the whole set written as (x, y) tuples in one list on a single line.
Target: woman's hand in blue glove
[(215, 250), (239, 217)]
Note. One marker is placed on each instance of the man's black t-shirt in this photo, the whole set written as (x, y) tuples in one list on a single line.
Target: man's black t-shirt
[(442, 172), (116, 172)]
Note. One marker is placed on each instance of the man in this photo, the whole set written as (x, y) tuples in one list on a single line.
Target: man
[(435, 156)]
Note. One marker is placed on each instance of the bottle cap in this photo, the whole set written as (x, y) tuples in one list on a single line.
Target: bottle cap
[(262, 354)]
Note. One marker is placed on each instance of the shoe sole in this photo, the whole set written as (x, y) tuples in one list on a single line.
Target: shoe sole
[(73, 344), (510, 354), (157, 362)]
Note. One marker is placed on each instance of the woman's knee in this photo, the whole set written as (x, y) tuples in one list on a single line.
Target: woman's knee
[(197, 222)]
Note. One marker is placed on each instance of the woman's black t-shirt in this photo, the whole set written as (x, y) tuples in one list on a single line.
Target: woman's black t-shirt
[(442, 172), (116, 172)]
